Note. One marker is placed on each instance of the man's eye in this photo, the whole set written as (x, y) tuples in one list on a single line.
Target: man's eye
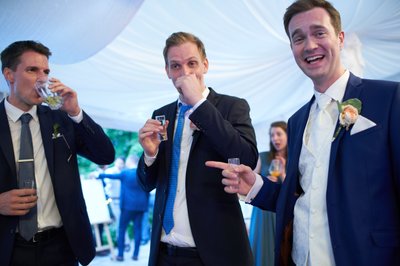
[(297, 39)]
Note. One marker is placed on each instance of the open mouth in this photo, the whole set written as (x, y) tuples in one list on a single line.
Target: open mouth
[(314, 59)]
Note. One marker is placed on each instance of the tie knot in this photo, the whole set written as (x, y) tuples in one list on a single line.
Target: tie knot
[(183, 109), (323, 100), (25, 118)]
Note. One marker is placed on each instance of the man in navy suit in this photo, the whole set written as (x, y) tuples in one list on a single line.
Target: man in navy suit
[(134, 201), (340, 202), (208, 227), (64, 234)]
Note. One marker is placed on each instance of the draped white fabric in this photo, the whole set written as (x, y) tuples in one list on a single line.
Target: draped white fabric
[(110, 51)]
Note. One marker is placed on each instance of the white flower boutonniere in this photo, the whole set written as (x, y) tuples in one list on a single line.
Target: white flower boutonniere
[(56, 131), (348, 113), (57, 134)]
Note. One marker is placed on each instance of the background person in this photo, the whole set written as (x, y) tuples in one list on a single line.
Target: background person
[(208, 226), (134, 201), (262, 223)]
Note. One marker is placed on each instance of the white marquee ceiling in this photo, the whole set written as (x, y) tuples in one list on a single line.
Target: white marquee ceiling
[(110, 51)]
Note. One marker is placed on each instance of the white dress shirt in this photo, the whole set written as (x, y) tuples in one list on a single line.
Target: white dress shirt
[(181, 234), (311, 238), (47, 212)]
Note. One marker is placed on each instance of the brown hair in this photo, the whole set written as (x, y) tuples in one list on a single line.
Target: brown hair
[(179, 38), (272, 150), (305, 5), (10, 57)]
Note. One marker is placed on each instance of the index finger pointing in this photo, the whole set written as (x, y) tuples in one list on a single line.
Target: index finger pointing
[(215, 164)]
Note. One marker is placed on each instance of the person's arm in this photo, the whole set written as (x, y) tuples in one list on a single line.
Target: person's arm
[(252, 188), (119, 176), (92, 143), (228, 128)]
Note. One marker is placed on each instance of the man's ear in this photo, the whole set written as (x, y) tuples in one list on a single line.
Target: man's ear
[(9, 75), (205, 66)]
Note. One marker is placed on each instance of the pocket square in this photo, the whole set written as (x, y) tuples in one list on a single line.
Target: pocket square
[(361, 124)]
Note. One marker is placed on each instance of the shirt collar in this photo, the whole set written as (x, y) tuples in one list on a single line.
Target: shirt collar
[(205, 94), (337, 89), (15, 113)]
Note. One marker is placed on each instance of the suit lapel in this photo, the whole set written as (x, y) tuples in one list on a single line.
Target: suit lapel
[(353, 90), (299, 129), (46, 124), (6, 145), (170, 114)]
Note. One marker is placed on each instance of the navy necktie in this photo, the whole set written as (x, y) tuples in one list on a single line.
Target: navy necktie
[(26, 175), (168, 221)]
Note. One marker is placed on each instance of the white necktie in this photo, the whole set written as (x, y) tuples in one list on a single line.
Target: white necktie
[(320, 128)]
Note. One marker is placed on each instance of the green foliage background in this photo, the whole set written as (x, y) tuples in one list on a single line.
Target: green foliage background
[(125, 144)]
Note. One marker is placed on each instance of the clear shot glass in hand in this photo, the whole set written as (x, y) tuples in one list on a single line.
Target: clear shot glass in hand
[(234, 162), (162, 136), (29, 184), (53, 99)]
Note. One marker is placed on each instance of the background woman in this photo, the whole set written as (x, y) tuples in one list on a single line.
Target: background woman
[(262, 224)]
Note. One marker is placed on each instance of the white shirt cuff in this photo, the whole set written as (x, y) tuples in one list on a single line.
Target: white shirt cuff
[(77, 119), (254, 189), (198, 104), (149, 160)]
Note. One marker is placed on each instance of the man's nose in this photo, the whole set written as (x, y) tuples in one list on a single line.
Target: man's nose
[(42, 76), (310, 44), (186, 70)]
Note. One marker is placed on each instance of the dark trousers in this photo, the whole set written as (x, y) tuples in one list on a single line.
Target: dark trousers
[(51, 249), (125, 218), (175, 256)]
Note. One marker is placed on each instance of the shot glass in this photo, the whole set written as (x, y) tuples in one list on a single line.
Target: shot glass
[(29, 184), (162, 136), (233, 162)]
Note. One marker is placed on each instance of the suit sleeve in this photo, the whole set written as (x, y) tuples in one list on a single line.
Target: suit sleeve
[(147, 176), (92, 142), (227, 126), (395, 136)]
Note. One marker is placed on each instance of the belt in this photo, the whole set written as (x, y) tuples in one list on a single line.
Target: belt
[(41, 236), (175, 251)]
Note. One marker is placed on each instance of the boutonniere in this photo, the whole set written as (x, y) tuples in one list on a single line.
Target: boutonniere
[(56, 131), (193, 126), (348, 113), (57, 134)]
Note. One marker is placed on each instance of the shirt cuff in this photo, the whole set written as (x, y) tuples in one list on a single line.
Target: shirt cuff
[(254, 189), (78, 118), (198, 104), (149, 160)]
